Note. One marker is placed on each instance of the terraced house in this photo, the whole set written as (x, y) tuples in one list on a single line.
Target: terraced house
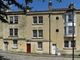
[(41, 31)]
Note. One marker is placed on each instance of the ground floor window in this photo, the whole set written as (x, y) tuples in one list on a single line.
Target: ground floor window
[(15, 43), (40, 45), (66, 43), (74, 43), (69, 44)]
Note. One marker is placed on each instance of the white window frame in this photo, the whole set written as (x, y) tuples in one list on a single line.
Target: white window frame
[(13, 31), (67, 31), (70, 24), (38, 33), (13, 20), (33, 33), (64, 44), (69, 46), (37, 20), (39, 48), (72, 30), (68, 17), (15, 45)]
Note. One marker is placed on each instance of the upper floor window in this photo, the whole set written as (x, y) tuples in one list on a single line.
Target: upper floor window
[(37, 19), (70, 17), (16, 19), (37, 33), (13, 19), (40, 33), (68, 30), (13, 32), (34, 33), (40, 19)]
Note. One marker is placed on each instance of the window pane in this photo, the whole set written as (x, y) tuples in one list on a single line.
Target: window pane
[(16, 32), (40, 19), (11, 19), (65, 30), (66, 43), (11, 32), (70, 29), (35, 19), (40, 33), (34, 33), (16, 19), (15, 43), (39, 44), (73, 43), (70, 17)]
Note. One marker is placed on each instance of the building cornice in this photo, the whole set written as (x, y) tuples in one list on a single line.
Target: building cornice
[(55, 11)]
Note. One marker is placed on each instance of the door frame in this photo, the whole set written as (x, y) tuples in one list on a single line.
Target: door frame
[(54, 48), (5, 44), (28, 49)]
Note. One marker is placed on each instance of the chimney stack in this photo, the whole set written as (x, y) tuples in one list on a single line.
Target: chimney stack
[(50, 5), (71, 6)]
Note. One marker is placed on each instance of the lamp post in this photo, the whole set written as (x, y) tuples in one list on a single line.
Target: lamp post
[(72, 9), (73, 34)]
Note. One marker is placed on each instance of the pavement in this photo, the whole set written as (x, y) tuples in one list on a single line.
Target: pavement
[(23, 56), (29, 54)]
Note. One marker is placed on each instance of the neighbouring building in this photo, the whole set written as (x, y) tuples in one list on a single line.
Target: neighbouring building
[(41, 31)]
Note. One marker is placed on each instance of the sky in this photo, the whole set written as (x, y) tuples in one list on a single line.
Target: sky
[(38, 5)]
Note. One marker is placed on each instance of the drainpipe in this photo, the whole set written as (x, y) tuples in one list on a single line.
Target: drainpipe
[(50, 9), (49, 33)]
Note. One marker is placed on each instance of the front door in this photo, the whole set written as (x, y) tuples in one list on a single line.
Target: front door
[(5, 46), (28, 48), (54, 48)]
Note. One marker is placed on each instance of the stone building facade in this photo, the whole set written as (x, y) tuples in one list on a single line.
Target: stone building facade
[(47, 32)]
